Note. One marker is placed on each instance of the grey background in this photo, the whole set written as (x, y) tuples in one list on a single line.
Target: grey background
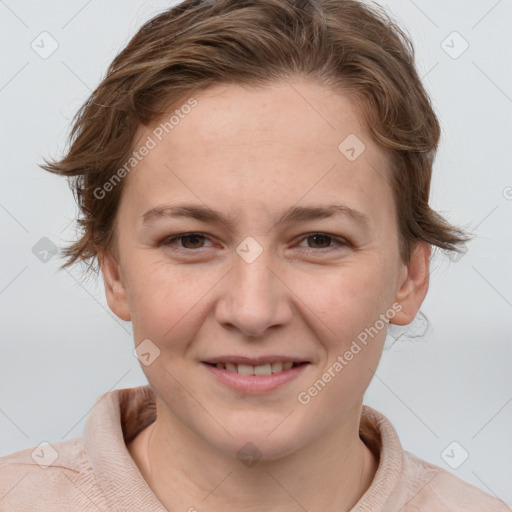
[(62, 347)]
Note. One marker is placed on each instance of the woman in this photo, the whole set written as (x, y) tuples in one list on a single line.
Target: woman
[(253, 179)]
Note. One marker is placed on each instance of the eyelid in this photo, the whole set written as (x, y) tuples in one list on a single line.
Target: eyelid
[(336, 240), (169, 240)]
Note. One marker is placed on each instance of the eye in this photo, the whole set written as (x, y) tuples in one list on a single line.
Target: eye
[(188, 241), (324, 241)]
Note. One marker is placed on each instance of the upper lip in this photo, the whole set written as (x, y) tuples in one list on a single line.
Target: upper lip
[(254, 361)]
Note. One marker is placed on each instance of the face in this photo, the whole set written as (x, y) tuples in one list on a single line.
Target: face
[(293, 256)]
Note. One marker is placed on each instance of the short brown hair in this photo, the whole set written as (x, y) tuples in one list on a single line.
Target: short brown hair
[(353, 47)]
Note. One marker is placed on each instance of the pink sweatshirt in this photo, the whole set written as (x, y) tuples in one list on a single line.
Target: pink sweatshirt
[(96, 473)]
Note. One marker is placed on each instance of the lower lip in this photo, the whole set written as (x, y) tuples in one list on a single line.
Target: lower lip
[(255, 384)]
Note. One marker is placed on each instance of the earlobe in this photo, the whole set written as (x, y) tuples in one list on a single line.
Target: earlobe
[(115, 290), (414, 286)]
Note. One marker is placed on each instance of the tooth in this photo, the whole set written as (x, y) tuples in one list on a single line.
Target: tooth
[(277, 367), (246, 369), (263, 369)]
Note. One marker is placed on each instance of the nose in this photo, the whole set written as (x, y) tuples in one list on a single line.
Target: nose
[(254, 297)]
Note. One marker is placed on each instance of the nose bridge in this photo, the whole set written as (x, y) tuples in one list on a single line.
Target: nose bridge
[(252, 298)]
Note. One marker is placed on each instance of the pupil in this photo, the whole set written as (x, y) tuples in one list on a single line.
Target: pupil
[(324, 237), (191, 237)]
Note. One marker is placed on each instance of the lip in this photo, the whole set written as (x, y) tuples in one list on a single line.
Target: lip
[(255, 361), (254, 384)]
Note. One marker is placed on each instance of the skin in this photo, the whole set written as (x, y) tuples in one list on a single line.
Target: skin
[(251, 154)]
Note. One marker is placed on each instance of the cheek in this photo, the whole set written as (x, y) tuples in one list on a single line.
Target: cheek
[(349, 303), (165, 298), (348, 299)]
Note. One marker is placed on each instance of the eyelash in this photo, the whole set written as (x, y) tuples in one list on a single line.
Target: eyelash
[(170, 241)]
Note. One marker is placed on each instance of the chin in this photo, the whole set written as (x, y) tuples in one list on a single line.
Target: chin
[(252, 442)]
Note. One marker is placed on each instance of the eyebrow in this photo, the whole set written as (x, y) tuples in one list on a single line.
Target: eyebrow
[(293, 214)]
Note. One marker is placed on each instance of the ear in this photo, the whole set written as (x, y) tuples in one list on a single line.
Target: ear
[(115, 290), (414, 286)]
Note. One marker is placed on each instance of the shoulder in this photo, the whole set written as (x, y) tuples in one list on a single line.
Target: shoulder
[(49, 477), (407, 483), (432, 486)]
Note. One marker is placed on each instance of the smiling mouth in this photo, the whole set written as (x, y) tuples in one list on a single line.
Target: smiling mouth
[(262, 369)]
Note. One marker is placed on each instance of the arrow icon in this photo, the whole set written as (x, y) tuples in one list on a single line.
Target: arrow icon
[(44, 455), (249, 455), (146, 352), (44, 250), (351, 147), (454, 455), (249, 249)]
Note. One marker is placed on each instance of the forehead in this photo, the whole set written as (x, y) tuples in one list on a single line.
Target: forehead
[(261, 147)]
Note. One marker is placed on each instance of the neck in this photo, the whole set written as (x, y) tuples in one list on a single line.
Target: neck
[(184, 472)]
